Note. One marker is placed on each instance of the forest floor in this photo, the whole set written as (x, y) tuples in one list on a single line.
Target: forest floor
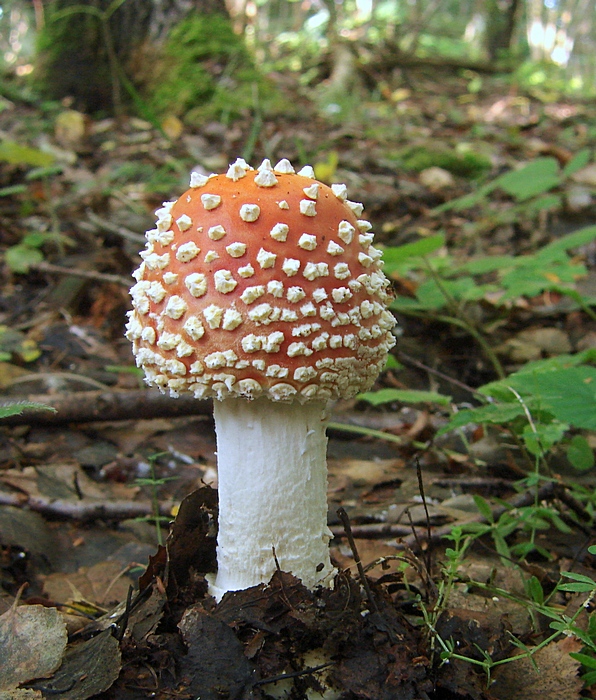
[(79, 489)]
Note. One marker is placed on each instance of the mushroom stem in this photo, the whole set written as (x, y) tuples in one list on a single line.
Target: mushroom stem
[(272, 476)]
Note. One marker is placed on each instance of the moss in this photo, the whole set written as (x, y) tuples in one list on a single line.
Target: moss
[(206, 71), (463, 163), (71, 60)]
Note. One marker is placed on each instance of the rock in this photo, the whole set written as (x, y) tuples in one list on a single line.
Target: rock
[(436, 179)]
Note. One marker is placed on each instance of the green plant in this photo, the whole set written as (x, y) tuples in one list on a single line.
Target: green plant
[(17, 154), (533, 189), (154, 482), (540, 404), (185, 84), (462, 161), (15, 343), (29, 251), (546, 405), (544, 400), (18, 407), (535, 601)]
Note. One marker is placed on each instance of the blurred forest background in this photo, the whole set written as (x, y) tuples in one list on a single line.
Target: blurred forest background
[(174, 57)]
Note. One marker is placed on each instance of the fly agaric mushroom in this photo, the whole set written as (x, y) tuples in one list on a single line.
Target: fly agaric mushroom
[(261, 289)]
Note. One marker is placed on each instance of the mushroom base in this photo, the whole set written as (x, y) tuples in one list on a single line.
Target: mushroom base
[(272, 476)]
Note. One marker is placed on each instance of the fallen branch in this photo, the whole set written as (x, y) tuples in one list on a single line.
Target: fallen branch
[(83, 510), (123, 232), (76, 272), (374, 531), (121, 404), (88, 406)]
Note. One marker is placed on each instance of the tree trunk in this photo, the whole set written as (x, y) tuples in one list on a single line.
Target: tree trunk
[(87, 51), (500, 26)]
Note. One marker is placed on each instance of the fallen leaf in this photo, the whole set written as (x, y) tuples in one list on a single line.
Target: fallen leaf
[(20, 694), (100, 584), (172, 127), (555, 677), (32, 642), (88, 669), (69, 128), (367, 472), (215, 665)]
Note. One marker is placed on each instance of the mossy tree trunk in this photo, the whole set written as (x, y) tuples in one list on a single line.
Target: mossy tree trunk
[(95, 51), (502, 16)]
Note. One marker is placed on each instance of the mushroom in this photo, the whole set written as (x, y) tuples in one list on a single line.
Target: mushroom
[(261, 289)]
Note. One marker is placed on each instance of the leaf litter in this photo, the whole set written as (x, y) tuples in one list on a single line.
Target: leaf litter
[(277, 638)]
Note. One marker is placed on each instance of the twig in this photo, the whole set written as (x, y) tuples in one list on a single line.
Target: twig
[(430, 370), (83, 510), (292, 674), (88, 406), (121, 231), (85, 274), (376, 616), (373, 531), (343, 516), (426, 513)]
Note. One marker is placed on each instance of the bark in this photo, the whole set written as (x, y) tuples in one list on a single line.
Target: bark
[(88, 52), (88, 406), (500, 27), (389, 60)]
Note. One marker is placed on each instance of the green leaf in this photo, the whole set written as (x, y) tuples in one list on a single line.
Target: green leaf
[(567, 393), (577, 587), (588, 678), (433, 296), (533, 179), (570, 394), (579, 161), (35, 239), (392, 363), (14, 153), (468, 200), (491, 263), (20, 257), (572, 240), (580, 454), (40, 173), (377, 398), (496, 413), (540, 438), (17, 408), (12, 189), (406, 304), (484, 508), (578, 577), (552, 363), (535, 590), (395, 255)]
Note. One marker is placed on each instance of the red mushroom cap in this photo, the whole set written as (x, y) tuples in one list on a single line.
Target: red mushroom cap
[(261, 282)]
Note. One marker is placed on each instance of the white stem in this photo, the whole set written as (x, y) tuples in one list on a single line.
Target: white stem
[(272, 480)]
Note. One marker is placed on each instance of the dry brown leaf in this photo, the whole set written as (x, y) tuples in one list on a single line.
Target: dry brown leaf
[(21, 694), (100, 584), (32, 642), (556, 677), (367, 472), (63, 481)]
